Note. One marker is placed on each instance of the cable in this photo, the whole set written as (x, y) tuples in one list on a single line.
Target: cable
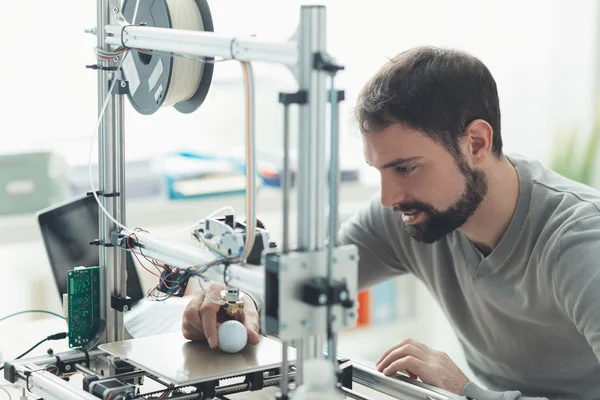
[(31, 311), (56, 336), (7, 392), (250, 162)]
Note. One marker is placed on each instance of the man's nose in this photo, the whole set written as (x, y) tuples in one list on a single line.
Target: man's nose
[(391, 193)]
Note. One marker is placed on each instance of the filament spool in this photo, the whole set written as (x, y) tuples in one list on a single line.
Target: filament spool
[(161, 80)]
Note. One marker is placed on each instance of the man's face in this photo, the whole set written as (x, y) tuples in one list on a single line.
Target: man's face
[(422, 181)]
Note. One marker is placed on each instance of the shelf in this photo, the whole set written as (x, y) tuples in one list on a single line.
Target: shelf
[(161, 213)]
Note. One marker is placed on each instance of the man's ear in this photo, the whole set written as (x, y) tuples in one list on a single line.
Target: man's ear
[(478, 140)]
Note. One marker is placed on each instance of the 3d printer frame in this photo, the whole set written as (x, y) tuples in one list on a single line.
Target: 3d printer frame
[(317, 279)]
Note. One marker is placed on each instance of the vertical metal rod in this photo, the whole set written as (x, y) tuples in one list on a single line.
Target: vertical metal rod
[(102, 20), (299, 345), (283, 385), (108, 183), (120, 272), (334, 181), (318, 92), (285, 187), (285, 179), (311, 174)]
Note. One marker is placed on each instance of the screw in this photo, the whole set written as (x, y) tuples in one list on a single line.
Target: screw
[(353, 257), (123, 83), (322, 299), (68, 367), (352, 314), (125, 308), (91, 31), (116, 58), (344, 296), (333, 318), (304, 323), (115, 9)]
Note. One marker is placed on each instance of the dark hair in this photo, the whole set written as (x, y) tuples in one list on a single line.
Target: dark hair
[(437, 91)]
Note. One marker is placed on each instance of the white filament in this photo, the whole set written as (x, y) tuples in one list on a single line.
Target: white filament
[(187, 72)]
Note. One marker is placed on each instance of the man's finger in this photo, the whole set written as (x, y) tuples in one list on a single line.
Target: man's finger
[(208, 314), (191, 314), (410, 341), (410, 364), (426, 349), (404, 351), (190, 332), (251, 322), (411, 375)]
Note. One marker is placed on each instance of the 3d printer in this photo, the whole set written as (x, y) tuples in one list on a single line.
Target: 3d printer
[(159, 54)]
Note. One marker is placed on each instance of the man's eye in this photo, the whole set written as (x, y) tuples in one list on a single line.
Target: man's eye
[(405, 170)]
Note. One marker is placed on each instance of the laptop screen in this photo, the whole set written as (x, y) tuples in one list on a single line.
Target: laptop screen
[(67, 230)]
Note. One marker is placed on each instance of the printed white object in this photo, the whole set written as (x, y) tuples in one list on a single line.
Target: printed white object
[(233, 336)]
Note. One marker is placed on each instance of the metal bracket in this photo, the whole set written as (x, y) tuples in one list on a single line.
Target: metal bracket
[(121, 87), (286, 312), (115, 12)]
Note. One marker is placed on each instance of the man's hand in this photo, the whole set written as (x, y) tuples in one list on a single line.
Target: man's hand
[(200, 317), (419, 361)]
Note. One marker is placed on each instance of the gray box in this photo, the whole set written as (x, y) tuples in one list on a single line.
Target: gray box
[(30, 182)]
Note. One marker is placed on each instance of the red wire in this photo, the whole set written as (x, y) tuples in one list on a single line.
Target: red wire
[(140, 261)]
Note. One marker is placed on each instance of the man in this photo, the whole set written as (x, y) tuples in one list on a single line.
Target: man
[(510, 250)]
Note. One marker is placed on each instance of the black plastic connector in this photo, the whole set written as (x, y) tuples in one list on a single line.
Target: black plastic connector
[(102, 194), (345, 373), (121, 304), (10, 372), (88, 380), (99, 242), (299, 97), (255, 381), (318, 292), (340, 96), (324, 62), (101, 67)]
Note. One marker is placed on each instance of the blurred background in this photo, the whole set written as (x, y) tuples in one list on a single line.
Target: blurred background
[(544, 55)]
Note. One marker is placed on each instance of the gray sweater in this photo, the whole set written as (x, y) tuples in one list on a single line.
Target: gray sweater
[(528, 314)]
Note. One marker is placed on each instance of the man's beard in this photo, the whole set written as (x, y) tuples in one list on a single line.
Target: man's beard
[(438, 224)]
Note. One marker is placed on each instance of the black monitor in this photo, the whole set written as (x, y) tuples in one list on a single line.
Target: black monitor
[(67, 230)]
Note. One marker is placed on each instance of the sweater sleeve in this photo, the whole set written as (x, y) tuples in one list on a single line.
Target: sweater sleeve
[(472, 391), (373, 229), (577, 278), (576, 282)]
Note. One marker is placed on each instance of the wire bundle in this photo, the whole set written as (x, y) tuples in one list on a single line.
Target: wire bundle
[(173, 281)]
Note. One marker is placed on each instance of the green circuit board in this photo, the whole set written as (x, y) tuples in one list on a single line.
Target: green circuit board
[(83, 289)]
